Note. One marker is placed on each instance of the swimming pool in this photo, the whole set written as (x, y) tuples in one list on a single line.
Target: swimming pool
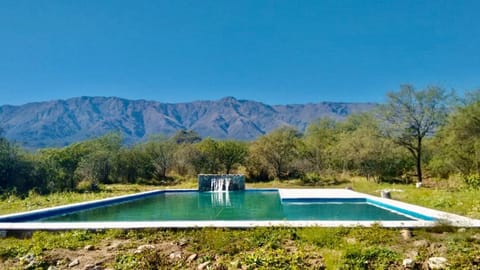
[(268, 207)]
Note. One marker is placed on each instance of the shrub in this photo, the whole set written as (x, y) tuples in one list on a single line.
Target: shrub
[(87, 186), (370, 258), (472, 180)]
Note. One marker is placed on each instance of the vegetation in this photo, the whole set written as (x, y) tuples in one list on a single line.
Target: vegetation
[(374, 145), (415, 134), (259, 248)]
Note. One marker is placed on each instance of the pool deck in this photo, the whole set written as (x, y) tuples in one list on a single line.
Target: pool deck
[(301, 194)]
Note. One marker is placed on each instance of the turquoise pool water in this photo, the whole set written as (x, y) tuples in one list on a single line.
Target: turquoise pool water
[(239, 205)]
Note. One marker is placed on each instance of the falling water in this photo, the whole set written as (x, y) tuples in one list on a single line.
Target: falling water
[(220, 194), (220, 184)]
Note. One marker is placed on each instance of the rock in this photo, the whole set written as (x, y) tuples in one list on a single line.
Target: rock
[(31, 265), (143, 248), (462, 230), (192, 257), (182, 242), (203, 265), (349, 188), (51, 267), (27, 258), (93, 267), (74, 263), (408, 263), (115, 245), (406, 234), (418, 184), (421, 243), (351, 240), (437, 263), (386, 194), (475, 237), (177, 255), (89, 247)]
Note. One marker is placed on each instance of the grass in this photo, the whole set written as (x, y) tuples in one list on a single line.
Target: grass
[(259, 248)]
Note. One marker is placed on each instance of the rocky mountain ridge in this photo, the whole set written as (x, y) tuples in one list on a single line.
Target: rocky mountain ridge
[(60, 122)]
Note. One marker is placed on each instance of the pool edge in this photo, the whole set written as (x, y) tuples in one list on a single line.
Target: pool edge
[(447, 218)]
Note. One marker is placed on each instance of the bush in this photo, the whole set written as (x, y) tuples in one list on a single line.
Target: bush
[(87, 186), (311, 179), (369, 258), (472, 180)]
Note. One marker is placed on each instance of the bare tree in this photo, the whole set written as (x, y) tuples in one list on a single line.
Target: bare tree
[(409, 116)]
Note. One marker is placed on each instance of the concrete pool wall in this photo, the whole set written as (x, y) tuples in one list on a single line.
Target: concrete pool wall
[(424, 217)]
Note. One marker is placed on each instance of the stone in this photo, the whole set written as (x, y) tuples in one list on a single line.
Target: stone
[(74, 263), (143, 248), (203, 265), (89, 247), (93, 267), (462, 230), (421, 243), (408, 263), (182, 242), (114, 245), (351, 240), (437, 263), (192, 257), (51, 267), (27, 258), (475, 237), (418, 184), (177, 255), (386, 194), (406, 234)]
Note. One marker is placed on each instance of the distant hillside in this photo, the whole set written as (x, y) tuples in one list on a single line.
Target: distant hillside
[(60, 122)]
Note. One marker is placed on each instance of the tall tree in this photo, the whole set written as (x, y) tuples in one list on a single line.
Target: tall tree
[(277, 150), (410, 115), (459, 139), (367, 152), (231, 153), (320, 139)]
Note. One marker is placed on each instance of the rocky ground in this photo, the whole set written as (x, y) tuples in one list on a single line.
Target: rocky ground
[(312, 248)]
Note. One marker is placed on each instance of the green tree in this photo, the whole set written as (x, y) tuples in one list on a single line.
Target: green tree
[(320, 142), (368, 153), (186, 136), (161, 153), (459, 139), (15, 169), (277, 150), (208, 159), (231, 153), (409, 116)]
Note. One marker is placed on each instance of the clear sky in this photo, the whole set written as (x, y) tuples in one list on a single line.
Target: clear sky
[(276, 52)]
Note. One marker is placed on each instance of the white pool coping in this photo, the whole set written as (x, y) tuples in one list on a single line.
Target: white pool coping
[(443, 217)]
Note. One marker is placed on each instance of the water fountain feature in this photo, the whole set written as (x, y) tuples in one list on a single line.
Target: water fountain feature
[(221, 182), (220, 186)]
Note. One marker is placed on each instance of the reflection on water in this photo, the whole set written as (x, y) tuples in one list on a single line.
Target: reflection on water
[(220, 199)]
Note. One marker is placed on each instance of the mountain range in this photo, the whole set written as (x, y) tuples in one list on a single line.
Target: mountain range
[(61, 122)]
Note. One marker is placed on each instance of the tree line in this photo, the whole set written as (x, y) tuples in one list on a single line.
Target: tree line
[(415, 133)]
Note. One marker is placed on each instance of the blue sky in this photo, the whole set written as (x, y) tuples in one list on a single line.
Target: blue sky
[(276, 52)]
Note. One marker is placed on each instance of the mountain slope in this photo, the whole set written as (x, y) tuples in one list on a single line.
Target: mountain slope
[(60, 122)]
